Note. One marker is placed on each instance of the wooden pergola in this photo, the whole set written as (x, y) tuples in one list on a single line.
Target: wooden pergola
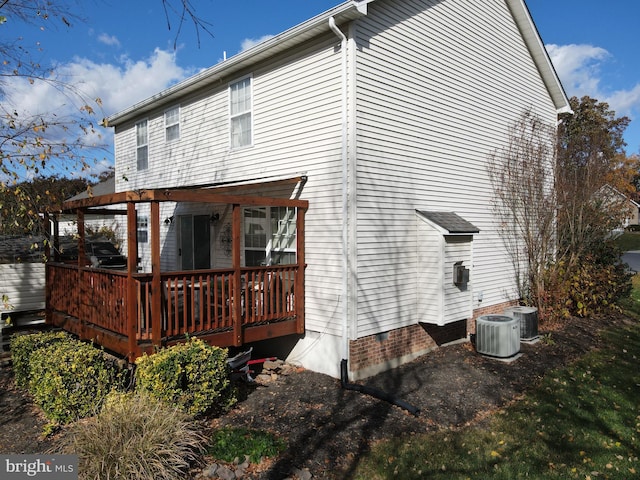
[(131, 312)]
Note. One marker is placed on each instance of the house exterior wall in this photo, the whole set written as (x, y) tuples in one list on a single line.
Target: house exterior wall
[(24, 285), (297, 112), (438, 85), (429, 274), (433, 87)]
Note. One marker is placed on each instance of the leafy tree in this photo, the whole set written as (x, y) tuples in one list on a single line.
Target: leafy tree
[(20, 204), (593, 177), (558, 196), (34, 143)]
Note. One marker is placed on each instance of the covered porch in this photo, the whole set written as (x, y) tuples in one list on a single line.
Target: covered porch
[(130, 312)]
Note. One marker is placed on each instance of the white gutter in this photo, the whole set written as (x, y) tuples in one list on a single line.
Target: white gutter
[(244, 60), (345, 196)]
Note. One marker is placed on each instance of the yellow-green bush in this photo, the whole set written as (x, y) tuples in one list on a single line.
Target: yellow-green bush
[(70, 379), (192, 376), (135, 437), (588, 288), (22, 348)]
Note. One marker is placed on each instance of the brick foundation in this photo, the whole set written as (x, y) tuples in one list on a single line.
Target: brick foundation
[(491, 310), (376, 353)]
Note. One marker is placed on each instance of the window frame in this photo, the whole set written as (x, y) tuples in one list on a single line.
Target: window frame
[(142, 228), (139, 165), (176, 123), (235, 116), (272, 236)]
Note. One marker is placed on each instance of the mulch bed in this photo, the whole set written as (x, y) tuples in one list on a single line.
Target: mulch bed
[(328, 428)]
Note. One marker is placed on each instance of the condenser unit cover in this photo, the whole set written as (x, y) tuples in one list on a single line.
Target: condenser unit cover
[(497, 335), (528, 317)]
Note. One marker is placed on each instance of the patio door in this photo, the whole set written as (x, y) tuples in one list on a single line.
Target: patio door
[(194, 246)]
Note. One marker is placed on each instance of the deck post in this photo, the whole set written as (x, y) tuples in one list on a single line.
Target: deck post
[(236, 233), (85, 294), (132, 294), (156, 287), (48, 313), (300, 274)]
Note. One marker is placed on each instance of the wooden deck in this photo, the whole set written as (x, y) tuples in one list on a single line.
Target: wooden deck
[(130, 313), (219, 306)]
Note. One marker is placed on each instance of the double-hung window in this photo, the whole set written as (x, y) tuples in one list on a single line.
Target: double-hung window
[(142, 145), (143, 229), (269, 236), (172, 124), (240, 113)]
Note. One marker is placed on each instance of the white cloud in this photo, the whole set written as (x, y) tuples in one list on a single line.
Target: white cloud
[(110, 40), (118, 85), (580, 69), (247, 43)]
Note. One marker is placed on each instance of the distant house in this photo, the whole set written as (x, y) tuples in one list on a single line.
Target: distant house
[(374, 120), (68, 224), (620, 205)]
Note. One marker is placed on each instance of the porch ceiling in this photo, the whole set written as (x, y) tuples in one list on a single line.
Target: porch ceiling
[(222, 194)]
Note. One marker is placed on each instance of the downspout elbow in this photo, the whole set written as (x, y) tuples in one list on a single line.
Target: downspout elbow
[(334, 28)]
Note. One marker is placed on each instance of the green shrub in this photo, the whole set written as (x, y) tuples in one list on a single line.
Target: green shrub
[(227, 444), (22, 348), (69, 380), (135, 437), (192, 376)]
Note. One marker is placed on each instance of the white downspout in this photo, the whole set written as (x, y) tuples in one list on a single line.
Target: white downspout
[(345, 197)]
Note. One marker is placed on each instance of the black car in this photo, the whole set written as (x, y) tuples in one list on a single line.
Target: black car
[(99, 254)]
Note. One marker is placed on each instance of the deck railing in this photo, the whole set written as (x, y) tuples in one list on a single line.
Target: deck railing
[(193, 303)]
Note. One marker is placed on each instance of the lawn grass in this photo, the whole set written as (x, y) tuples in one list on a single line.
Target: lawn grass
[(582, 421), (629, 241), (631, 305)]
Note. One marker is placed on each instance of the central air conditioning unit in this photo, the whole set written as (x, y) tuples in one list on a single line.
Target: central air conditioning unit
[(528, 317), (497, 335)]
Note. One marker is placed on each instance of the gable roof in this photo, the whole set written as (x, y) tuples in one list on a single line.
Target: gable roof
[(103, 188), (319, 24)]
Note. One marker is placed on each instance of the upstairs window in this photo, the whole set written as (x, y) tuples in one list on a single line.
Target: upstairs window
[(142, 143), (172, 124), (240, 113)]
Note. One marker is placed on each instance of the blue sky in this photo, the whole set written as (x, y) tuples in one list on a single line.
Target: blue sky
[(123, 52)]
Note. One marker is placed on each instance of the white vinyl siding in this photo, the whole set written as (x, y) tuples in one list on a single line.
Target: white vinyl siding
[(240, 113), (296, 130), (172, 124), (438, 86), (24, 286)]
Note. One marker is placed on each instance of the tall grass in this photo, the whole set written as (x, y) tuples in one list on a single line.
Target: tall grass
[(135, 437)]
